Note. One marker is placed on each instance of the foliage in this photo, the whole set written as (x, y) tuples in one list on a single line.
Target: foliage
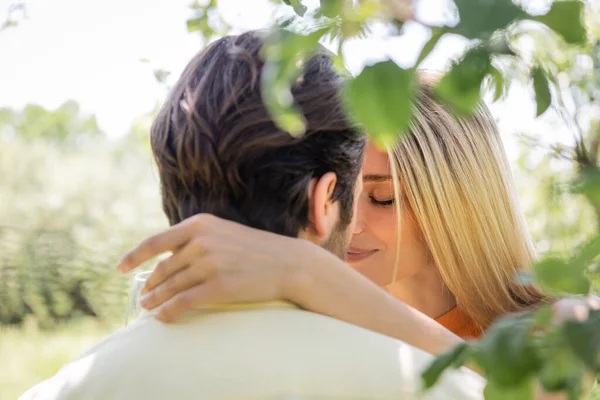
[(491, 26), (69, 212), (65, 124), (30, 355)]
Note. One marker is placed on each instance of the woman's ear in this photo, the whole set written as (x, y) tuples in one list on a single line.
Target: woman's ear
[(323, 212)]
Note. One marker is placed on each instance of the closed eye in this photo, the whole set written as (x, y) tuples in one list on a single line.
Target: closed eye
[(381, 203)]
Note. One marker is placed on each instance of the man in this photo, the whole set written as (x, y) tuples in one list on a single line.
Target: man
[(218, 152)]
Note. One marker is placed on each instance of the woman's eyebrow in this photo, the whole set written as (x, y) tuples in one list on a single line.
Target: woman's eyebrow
[(373, 178)]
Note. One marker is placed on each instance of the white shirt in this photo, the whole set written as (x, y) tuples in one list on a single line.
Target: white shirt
[(267, 352)]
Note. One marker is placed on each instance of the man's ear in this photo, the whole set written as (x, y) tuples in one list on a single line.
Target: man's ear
[(323, 212)]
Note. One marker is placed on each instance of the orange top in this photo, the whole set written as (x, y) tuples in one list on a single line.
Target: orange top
[(460, 324)]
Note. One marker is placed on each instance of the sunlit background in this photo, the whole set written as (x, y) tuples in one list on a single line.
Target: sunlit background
[(79, 82)]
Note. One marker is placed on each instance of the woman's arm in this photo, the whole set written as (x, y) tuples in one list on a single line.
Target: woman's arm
[(216, 261), (325, 284)]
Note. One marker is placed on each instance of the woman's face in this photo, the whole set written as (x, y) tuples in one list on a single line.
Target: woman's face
[(372, 251)]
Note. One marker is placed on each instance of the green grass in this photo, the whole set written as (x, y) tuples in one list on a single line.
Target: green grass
[(29, 355)]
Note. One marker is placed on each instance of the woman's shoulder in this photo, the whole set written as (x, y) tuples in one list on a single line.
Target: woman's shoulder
[(459, 323)]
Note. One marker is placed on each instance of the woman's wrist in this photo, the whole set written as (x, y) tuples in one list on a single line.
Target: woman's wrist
[(297, 258)]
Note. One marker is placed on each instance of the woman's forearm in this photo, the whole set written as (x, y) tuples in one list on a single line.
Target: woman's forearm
[(325, 284)]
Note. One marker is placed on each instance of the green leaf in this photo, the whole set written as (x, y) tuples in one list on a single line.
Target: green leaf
[(587, 183), (561, 371), (331, 8), (461, 86), (453, 358), (498, 81), (161, 75), (297, 5), (285, 52), (198, 24), (584, 339), (480, 18), (560, 276), (543, 316), (381, 100), (587, 252), (500, 44), (507, 352), (523, 391), (436, 35), (566, 19), (543, 97)]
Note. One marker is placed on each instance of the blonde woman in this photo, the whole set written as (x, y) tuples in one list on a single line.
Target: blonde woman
[(439, 239)]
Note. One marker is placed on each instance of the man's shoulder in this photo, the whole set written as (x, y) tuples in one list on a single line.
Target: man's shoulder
[(260, 352)]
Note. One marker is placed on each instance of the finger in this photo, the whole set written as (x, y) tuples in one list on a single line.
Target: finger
[(211, 292), (177, 283), (181, 258), (174, 237)]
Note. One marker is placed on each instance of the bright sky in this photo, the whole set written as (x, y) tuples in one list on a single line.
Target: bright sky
[(90, 51)]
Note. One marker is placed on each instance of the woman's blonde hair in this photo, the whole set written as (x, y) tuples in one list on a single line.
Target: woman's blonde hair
[(454, 177)]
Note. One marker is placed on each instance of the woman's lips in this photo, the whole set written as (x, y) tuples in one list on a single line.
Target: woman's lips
[(358, 255)]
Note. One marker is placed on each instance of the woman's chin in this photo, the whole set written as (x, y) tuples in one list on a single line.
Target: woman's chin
[(372, 272)]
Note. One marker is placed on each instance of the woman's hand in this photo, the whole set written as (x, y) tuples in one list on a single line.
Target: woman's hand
[(216, 261)]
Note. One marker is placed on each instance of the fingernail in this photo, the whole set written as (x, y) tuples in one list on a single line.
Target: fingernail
[(144, 300)]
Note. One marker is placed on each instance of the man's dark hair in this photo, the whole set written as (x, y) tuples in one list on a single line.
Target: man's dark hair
[(219, 152)]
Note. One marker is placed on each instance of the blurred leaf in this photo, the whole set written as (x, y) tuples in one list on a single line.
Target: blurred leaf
[(543, 316), (285, 52), (561, 371), (198, 24), (587, 184), (587, 252), (480, 18), (543, 97), (507, 353), (566, 19), (499, 44), (297, 5), (498, 81), (584, 339), (561, 276), (350, 29), (453, 358), (331, 8), (523, 391), (364, 10), (461, 86), (161, 75), (436, 35), (381, 100)]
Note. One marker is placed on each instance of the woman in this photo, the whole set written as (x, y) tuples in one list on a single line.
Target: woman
[(438, 228)]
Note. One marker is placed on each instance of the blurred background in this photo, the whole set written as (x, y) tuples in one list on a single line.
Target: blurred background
[(79, 85)]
